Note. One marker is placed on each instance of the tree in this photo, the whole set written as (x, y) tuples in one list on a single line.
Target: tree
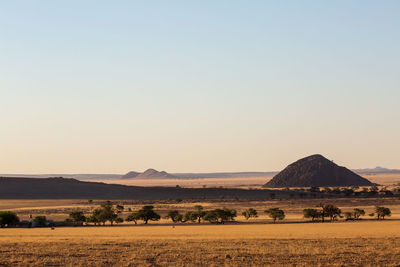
[(220, 215), (76, 216), (133, 217), (175, 216), (358, 213), (40, 220), (199, 212), (331, 211), (382, 212), (95, 217), (311, 213), (107, 213), (249, 213), (8, 218), (190, 216), (275, 213), (147, 214)]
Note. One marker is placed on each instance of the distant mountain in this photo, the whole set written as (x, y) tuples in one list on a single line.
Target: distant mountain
[(148, 174), (317, 171), (130, 175), (377, 170)]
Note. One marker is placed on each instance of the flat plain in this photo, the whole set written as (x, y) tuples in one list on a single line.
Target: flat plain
[(365, 243), (257, 242)]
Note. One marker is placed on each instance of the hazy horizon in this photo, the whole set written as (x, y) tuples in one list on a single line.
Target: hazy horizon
[(99, 87)]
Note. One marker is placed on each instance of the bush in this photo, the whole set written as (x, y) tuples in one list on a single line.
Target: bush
[(8, 218), (41, 221)]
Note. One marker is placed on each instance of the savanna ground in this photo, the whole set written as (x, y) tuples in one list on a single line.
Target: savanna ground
[(257, 242), (366, 243)]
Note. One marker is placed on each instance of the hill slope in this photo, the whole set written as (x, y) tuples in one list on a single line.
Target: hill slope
[(316, 170), (62, 188)]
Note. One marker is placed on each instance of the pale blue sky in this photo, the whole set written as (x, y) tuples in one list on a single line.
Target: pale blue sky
[(113, 86)]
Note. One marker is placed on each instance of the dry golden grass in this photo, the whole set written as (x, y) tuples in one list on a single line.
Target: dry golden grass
[(311, 244)]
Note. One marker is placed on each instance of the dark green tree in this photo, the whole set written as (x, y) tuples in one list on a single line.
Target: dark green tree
[(220, 215), (275, 214), (175, 216), (133, 217), (147, 213), (40, 220), (250, 213), (382, 212), (331, 211), (311, 213), (190, 216), (8, 218), (357, 213), (77, 216), (199, 212)]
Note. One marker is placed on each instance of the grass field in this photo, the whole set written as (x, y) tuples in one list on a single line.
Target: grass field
[(59, 209), (365, 243)]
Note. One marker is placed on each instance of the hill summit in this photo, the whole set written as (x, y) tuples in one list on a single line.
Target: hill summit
[(316, 171)]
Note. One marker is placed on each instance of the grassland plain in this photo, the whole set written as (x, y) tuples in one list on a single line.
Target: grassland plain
[(59, 209), (257, 243), (365, 243)]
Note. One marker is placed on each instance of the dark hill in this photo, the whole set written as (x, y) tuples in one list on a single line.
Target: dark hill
[(317, 171), (62, 188)]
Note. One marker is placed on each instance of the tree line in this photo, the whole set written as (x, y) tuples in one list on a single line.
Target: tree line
[(107, 212), (333, 213)]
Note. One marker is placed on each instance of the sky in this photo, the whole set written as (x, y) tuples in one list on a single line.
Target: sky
[(197, 86)]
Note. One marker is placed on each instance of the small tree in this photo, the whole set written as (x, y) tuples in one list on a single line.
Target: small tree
[(175, 216), (190, 216), (8, 218), (220, 215), (107, 213), (331, 211), (382, 212), (148, 214), (40, 220), (133, 217), (77, 216), (275, 214), (249, 213), (311, 213), (199, 212), (358, 213)]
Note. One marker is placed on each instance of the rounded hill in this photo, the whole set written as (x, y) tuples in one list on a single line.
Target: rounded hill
[(316, 171)]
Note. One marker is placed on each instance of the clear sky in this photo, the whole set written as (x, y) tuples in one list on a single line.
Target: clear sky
[(190, 86)]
